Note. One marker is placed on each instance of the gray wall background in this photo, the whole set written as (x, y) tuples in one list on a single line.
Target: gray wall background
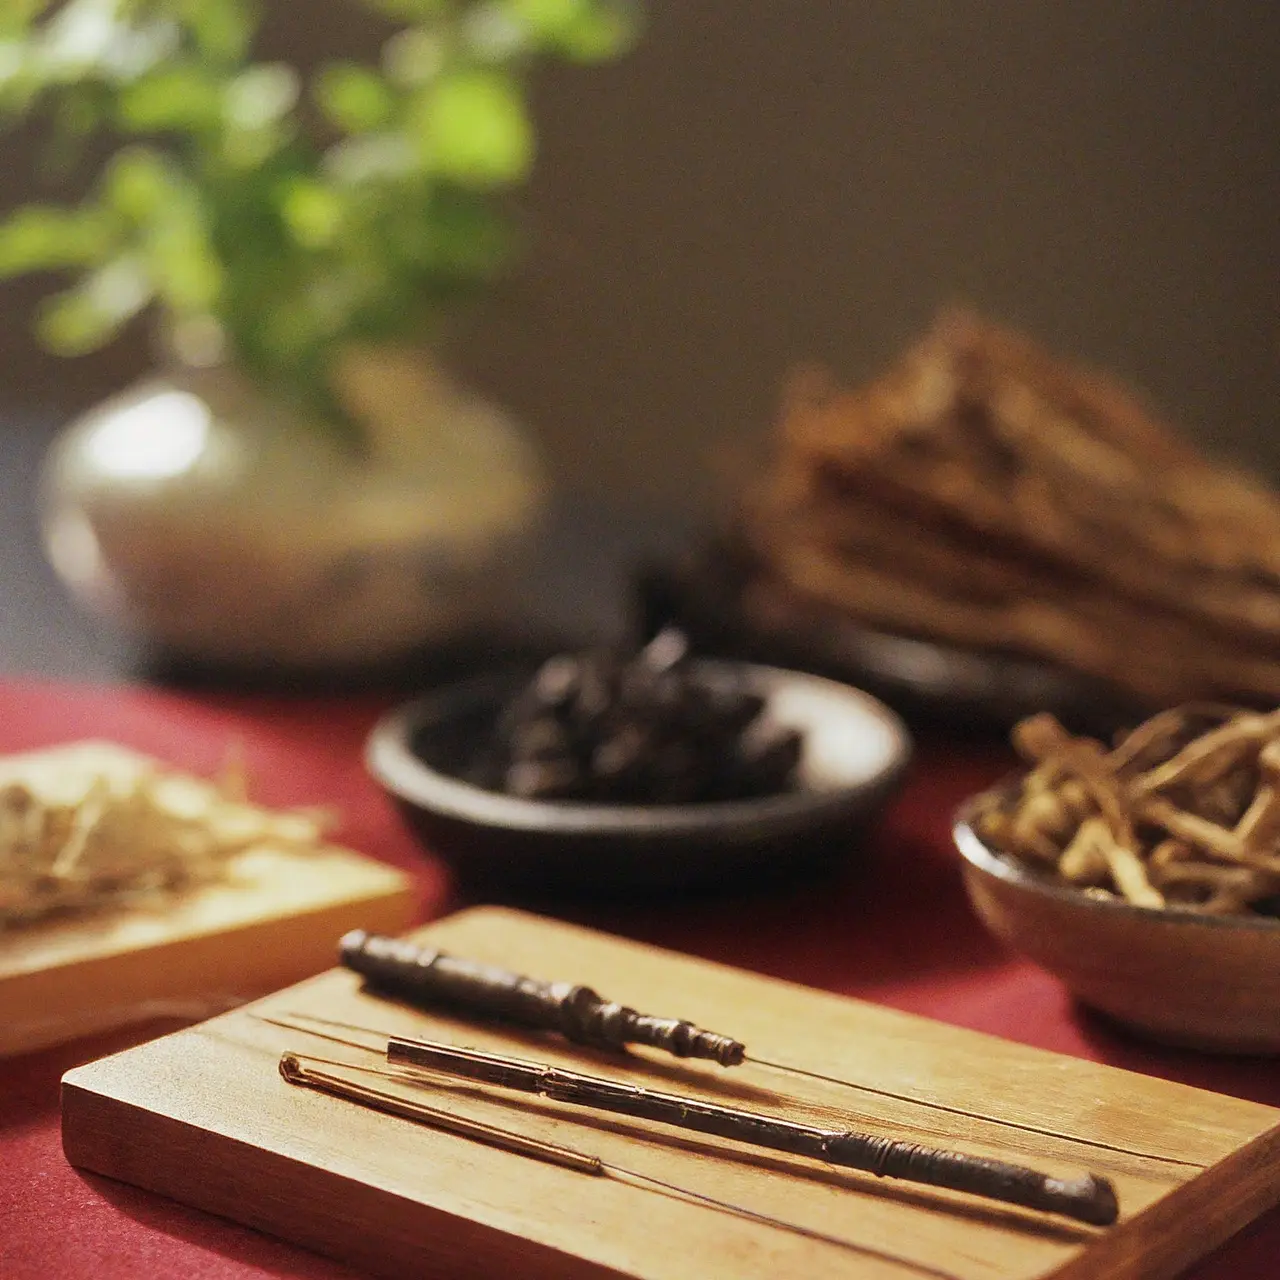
[(763, 182)]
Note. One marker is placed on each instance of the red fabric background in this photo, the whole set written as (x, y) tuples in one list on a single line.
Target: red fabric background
[(893, 928)]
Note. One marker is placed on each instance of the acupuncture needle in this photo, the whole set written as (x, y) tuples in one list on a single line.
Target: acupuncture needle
[(1089, 1198), (427, 979), (299, 1069)]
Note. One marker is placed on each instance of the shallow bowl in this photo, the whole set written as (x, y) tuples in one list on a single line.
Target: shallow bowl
[(1177, 976), (855, 749)]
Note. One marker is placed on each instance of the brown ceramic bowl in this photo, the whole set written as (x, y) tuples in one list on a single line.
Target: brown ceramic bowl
[(1180, 977)]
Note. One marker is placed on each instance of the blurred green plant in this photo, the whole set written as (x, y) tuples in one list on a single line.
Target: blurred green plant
[(266, 213)]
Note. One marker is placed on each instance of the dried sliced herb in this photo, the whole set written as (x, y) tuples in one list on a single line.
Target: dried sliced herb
[(652, 727)]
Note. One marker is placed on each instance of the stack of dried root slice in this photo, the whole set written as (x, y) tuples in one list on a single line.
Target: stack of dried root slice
[(1184, 811), (985, 495)]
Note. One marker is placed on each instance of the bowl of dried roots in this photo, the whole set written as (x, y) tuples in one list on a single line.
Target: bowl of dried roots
[(1145, 874)]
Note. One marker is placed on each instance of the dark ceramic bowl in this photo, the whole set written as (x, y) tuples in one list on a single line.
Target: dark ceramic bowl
[(855, 749)]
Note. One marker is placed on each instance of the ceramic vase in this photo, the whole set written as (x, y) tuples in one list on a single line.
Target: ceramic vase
[(218, 523)]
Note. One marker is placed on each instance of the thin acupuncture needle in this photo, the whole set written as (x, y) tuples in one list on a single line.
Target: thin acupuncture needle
[(788, 1069), (298, 1069), (1089, 1198), (969, 1115)]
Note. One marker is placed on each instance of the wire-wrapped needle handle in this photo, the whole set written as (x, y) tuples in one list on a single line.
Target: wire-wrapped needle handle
[(428, 979), (1088, 1198)]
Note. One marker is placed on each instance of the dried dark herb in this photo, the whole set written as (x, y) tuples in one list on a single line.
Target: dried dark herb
[(653, 727)]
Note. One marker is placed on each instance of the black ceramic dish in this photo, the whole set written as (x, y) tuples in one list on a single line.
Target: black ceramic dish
[(855, 750)]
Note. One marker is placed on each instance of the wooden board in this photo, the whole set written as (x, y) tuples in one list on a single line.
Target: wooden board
[(204, 1117), (273, 920)]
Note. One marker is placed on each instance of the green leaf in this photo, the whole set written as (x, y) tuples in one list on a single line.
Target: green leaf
[(178, 96), (472, 128), (77, 113), (89, 315), (312, 211), (492, 33), (250, 151), (353, 97), (18, 16), (15, 70), (186, 270), (68, 324), (78, 37), (144, 47), (149, 193), (137, 183), (222, 29), (466, 238), (261, 96), (42, 238), (258, 111), (370, 158), (585, 30), (288, 243), (413, 56), (191, 278), (548, 17), (601, 35)]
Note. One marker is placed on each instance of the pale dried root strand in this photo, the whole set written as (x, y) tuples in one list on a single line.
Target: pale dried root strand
[(1259, 825), (1033, 845), (1043, 813), (1084, 860), (1085, 761), (1216, 889), (134, 844), (1040, 737), (1213, 754), (1183, 812), (1209, 837), (1130, 876), (1154, 739), (1167, 855)]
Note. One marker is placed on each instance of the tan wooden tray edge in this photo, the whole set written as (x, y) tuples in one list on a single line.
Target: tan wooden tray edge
[(369, 1226)]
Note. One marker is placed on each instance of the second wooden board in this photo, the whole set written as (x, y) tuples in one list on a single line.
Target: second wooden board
[(204, 1117), (269, 919)]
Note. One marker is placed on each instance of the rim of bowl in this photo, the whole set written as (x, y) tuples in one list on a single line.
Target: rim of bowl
[(390, 760), (1004, 867)]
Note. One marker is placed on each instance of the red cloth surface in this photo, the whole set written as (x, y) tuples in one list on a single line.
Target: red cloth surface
[(893, 928)]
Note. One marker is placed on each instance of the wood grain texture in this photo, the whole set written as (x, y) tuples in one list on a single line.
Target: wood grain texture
[(272, 920), (203, 1116)]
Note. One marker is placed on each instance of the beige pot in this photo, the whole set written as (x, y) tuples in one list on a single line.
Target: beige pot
[(220, 525)]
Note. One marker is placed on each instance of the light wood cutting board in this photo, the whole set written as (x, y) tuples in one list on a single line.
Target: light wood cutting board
[(274, 919), (204, 1117)]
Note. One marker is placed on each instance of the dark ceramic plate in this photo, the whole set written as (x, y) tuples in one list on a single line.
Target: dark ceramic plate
[(855, 749)]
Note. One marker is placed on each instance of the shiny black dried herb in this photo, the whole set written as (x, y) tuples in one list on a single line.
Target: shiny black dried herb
[(651, 727)]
